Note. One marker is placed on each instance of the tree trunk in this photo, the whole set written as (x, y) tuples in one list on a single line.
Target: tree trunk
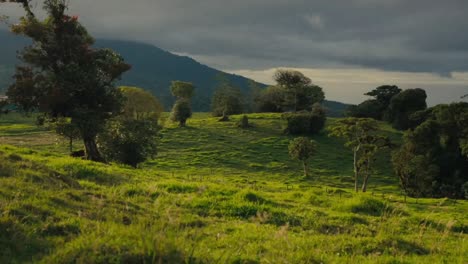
[(366, 179), (91, 150), (306, 168), (182, 123), (355, 170), (71, 145)]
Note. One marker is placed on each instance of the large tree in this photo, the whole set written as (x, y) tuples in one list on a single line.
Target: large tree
[(139, 103), (62, 75), (405, 104), (433, 160), (377, 107), (300, 93), (227, 100)]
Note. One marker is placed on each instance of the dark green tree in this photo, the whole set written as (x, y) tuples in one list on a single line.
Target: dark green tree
[(181, 112), (271, 100), (302, 149), (439, 144), (367, 109), (403, 105), (130, 141), (299, 92), (64, 76), (227, 100)]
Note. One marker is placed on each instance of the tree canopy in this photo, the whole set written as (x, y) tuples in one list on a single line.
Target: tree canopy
[(63, 75), (139, 103), (433, 160), (182, 90)]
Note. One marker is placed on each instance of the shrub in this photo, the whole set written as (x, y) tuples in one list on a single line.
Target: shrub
[(130, 141), (305, 122)]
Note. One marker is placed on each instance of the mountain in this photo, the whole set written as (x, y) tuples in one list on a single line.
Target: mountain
[(152, 69)]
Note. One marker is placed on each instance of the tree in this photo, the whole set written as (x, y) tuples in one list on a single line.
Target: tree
[(375, 108), (361, 135), (63, 76), (139, 104), (227, 100), (403, 105), (300, 93), (433, 160), (181, 112), (132, 137), (182, 90), (302, 149), (367, 109), (130, 141), (272, 99), (384, 94)]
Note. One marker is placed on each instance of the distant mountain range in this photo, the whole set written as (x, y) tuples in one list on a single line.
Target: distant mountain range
[(152, 69)]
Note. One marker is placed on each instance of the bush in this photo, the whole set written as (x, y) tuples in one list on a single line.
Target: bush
[(305, 122), (130, 141)]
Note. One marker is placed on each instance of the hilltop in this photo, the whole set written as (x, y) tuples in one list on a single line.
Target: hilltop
[(214, 194)]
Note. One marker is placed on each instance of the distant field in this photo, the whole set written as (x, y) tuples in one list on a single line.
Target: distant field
[(214, 194)]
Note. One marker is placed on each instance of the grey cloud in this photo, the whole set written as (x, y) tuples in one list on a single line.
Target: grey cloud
[(400, 35)]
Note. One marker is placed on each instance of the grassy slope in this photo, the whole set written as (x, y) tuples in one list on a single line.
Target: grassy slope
[(215, 194)]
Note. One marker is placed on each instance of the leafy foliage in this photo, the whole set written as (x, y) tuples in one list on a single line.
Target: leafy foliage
[(130, 141), (227, 100), (63, 76), (181, 112), (403, 105), (432, 161), (182, 90), (305, 122), (302, 149), (140, 104), (363, 137)]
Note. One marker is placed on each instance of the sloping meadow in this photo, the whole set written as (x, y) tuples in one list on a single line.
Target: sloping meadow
[(56, 209)]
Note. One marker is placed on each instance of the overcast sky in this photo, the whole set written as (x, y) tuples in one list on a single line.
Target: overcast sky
[(346, 46)]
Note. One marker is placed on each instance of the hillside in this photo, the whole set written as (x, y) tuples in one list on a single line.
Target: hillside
[(214, 194), (152, 69)]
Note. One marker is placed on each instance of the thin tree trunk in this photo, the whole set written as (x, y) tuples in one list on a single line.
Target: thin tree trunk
[(182, 123), (366, 179), (355, 170), (306, 168), (92, 152)]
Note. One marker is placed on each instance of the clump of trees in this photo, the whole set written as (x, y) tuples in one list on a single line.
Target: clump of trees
[(302, 149), (364, 138), (293, 92), (182, 109), (391, 104), (433, 159)]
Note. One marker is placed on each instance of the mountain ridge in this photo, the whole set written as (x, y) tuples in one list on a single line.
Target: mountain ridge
[(153, 69)]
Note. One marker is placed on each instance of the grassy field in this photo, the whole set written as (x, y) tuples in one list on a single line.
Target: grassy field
[(214, 194)]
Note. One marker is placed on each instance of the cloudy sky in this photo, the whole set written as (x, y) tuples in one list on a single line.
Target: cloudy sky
[(346, 46)]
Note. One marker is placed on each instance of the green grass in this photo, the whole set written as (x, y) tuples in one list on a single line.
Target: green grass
[(214, 194)]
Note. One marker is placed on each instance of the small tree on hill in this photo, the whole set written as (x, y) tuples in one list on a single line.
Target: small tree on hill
[(244, 122), (181, 112), (361, 135), (302, 149), (227, 100), (182, 109)]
